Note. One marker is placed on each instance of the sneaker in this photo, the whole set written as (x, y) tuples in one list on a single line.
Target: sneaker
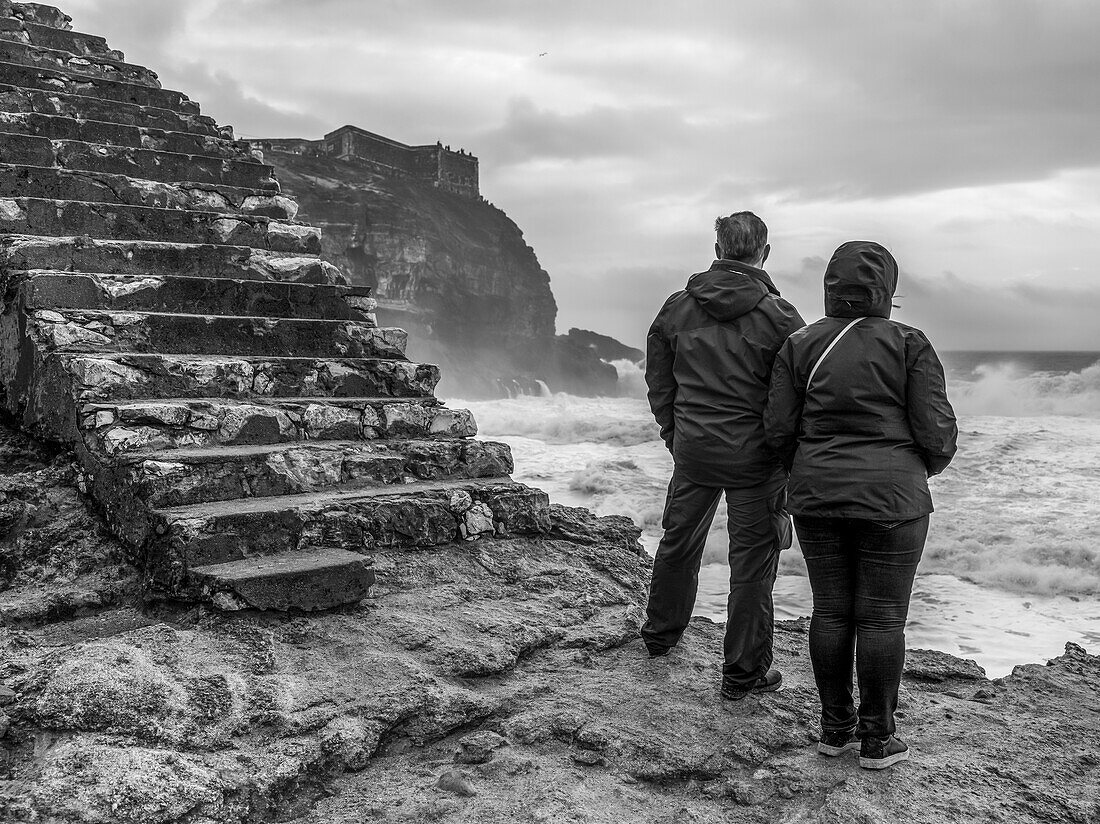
[(766, 683), (880, 753), (656, 651), (837, 742)]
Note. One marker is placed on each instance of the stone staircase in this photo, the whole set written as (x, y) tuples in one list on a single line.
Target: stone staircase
[(239, 416)]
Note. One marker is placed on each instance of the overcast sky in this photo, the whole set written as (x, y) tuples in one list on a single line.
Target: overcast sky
[(963, 135)]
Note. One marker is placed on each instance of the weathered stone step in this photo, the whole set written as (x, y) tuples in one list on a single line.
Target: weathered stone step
[(32, 30), (15, 99), (312, 579), (112, 221), (48, 390), (41, 15), (53, 80), (99, 187), (145, 164), (92, 66), (148, 376), (55, 127), (24, 252), (419, 514), (192, 295), (116, 429), (95, 331), (180, 477)]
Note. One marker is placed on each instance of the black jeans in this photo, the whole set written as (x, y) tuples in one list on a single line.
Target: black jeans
[(861, 573), (758, 529)]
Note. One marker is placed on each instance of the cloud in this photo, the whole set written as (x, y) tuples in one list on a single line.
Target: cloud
[(129, 24), (960, 134), (1013, 315), (529, 132), (623, 302)]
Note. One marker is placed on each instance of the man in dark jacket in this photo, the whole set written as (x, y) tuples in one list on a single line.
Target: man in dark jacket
[(709, 357)]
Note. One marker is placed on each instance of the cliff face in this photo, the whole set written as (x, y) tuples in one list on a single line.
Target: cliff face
[(454, 271)]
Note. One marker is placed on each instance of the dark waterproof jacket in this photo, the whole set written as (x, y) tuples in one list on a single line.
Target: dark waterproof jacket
[(708, 359), (875, 423)]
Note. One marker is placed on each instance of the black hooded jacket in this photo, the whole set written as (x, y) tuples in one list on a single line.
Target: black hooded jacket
[(875, 423), (709, 355)]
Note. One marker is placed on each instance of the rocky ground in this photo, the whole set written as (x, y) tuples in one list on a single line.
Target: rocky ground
[(494, 681)]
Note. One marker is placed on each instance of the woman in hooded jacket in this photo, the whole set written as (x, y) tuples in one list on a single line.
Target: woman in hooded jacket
[(858, 411)]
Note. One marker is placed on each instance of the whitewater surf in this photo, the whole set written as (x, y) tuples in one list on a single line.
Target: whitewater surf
[(1010, 570)]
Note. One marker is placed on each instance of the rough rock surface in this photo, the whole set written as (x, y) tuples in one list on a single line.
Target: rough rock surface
[(455, 272), (57, 558), (495, 680)]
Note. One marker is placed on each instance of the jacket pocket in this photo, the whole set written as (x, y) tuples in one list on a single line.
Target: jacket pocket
[(890, 525)]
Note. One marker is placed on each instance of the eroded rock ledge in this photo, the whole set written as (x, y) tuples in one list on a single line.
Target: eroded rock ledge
[(492, 681)]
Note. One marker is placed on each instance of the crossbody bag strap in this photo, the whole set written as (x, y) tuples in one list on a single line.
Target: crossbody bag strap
[(829, 349)]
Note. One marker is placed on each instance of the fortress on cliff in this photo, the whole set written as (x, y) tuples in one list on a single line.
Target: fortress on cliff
[(453, 171)]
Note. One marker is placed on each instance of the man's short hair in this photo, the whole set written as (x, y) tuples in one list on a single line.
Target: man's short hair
[(742, 236)]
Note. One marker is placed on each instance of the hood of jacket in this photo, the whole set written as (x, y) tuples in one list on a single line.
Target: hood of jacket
[(730, 289), (860, 281)]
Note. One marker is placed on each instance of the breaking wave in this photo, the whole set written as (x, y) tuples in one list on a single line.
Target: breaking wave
[(566, 419), (1009, 390), (631, 378), (1015, 533)]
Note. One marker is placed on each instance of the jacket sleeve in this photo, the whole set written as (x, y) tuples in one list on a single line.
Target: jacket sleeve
[(795, 323), (783, 411), (661, 381), (931, 418)]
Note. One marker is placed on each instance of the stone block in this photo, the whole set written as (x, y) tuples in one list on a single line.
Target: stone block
[(142, 257), (404, 516), (452, 423), (81, 330), (98, 67), (66, 218), (16, 99), (57, 127), (27, 150), (278, 206), (101, 187), (52, 80), (227, 422), (307, 580), (54, 37), (41, 15), (477, 521), (321, 421), (149, 164), (142, 377), (222, 473)]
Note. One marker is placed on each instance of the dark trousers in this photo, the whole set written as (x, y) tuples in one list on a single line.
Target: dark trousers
[(758, 529), (861, 573)]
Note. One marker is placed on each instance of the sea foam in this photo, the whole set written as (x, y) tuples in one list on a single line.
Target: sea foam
[(1016, 510), (1009, 390), (564, 419)]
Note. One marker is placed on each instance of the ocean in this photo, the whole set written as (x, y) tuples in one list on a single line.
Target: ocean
[(1011, 570)]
